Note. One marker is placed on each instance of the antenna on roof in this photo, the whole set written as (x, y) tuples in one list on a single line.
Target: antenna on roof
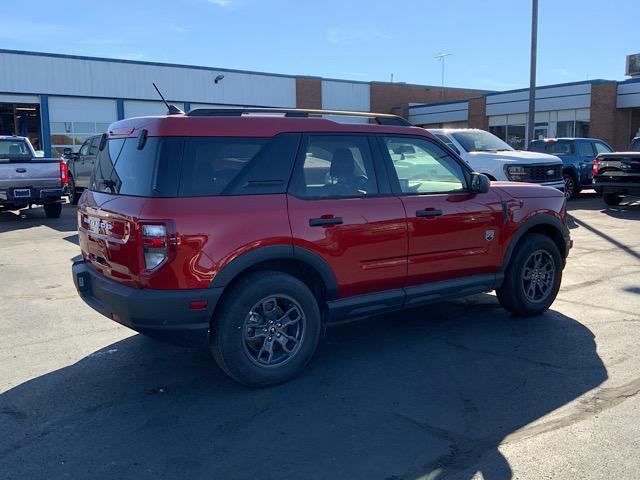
[(171, 109)]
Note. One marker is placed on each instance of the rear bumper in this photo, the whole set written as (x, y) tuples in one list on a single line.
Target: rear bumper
[(629, 187), (37, 195), (163, 314)]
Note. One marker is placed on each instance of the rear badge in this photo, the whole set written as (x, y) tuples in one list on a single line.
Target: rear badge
[(489, 234)]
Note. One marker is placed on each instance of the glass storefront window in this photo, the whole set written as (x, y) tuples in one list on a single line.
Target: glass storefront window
[(515, 136), (582, 129), (73, 134), (499, 131), (541, 130)]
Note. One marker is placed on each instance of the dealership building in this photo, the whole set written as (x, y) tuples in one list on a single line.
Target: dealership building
[(60, 100)]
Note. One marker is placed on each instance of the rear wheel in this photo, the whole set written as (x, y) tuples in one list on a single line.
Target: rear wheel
[(612, 199), (267, 329), (533, 277), (74, 195), (53, 210)]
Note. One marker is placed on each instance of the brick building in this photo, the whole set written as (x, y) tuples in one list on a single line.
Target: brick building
[(603, 109)]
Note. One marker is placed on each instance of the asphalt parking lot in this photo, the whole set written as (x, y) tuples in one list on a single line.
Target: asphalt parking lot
[(454, 390)]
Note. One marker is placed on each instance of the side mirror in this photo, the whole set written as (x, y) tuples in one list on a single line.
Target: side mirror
[(67, 152), (479, 183)]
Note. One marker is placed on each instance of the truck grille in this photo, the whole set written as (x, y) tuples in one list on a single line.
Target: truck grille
[(543, 173)]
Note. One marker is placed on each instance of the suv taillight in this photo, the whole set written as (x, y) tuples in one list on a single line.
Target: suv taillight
[(64, 173), (594, 169), (155, 245)]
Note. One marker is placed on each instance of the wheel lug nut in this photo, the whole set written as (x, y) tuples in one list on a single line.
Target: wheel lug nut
[(264, 329), (279, 325), (269, 338), (277, 334)]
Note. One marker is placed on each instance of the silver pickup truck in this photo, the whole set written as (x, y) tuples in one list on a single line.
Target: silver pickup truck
[(26, 179)]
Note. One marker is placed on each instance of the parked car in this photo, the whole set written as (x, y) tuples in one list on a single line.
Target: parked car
[(635, 145), (81, 165), (26, 179), (617, 175), (577, 155), (248, 233), (488, 154)]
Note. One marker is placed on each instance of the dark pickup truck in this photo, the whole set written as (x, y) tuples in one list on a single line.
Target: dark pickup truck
[(617, 175)]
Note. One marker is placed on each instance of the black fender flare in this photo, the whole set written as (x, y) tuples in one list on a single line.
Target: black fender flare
[(541, 219), (278, 252)]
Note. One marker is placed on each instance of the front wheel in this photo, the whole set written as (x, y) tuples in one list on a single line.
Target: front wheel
[(612, 199), (267, 329), (533, 277), (53, 210), (571, 188)]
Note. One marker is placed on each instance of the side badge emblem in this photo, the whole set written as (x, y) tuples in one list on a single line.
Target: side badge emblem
[(489, 234)]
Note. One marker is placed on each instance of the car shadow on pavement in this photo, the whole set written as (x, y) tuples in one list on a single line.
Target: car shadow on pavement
[(431, 391), (35, 217)]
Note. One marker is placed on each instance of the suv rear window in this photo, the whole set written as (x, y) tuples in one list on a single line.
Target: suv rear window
[(195, 166), (558, 147)]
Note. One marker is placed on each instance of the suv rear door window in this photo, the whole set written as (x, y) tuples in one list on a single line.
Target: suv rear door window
[(601, 148), (335, 166), (585, 149)]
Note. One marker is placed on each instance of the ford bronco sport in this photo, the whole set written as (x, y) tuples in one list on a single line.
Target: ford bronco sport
[(249, 230)]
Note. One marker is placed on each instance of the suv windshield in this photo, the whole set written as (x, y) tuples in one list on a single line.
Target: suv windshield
[(479, 141), (14, 149)]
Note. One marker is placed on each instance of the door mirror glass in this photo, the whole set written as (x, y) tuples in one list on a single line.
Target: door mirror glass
[(479, 183)]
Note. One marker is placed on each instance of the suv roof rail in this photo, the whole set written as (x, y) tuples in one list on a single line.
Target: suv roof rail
[(379, 118)]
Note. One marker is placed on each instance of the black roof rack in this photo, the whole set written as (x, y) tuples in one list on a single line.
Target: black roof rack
[(379, 118)]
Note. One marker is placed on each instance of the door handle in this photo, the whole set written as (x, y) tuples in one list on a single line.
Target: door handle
[(429, 213), (322, 222)]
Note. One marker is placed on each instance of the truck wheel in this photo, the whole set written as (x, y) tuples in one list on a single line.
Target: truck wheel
[(266, 329), (571, 188), (533, 277), (612, 199), (74, 195), (53, 210)]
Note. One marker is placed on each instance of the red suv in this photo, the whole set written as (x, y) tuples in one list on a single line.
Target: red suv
[(249, 230)]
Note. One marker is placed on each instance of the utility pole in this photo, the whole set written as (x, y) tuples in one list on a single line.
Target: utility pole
[(441, 57), (532, 73)]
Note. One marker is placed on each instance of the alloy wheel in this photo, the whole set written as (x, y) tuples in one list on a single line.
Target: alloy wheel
[(273, 330), (538, 276)]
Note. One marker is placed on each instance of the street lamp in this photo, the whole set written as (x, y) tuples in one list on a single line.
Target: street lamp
[(441, 57)]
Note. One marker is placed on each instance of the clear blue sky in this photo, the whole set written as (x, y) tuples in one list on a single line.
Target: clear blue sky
[(357, 40)]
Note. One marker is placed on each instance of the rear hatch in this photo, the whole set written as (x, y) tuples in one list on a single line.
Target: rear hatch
[(109, 214)]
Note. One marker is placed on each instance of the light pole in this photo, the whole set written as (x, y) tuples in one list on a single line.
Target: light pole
[(441, 57), (532, 73)]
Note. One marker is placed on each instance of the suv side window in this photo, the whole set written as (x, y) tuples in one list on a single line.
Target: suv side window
[(585, 149), (84, 149), (335, 166), (93, 148), (424, 167), (601, 148)]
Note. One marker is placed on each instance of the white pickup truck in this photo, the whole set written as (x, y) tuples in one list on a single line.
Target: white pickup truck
[(26, 179), (486, 153)]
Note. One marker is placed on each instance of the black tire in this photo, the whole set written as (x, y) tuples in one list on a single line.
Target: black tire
[(512, 294), (74, 194), (612, 199), (571, 186), (53, 210), (243, 359)]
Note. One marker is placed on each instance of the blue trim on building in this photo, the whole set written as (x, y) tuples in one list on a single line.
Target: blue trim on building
[(444, 111), (120, 108), (45, 125), (556, 85), (539, 98), (422, 105), (187, 106)]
